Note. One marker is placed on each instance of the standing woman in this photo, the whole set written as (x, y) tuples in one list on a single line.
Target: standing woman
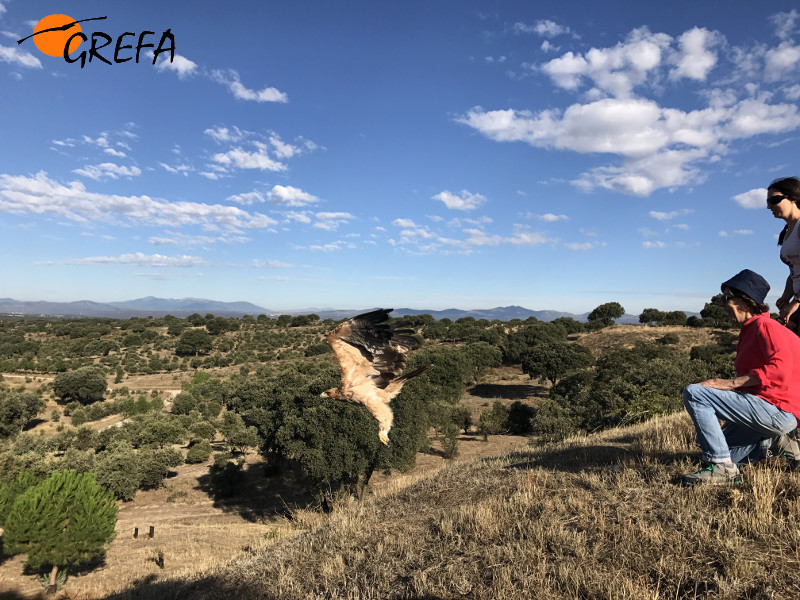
[(783, 198)]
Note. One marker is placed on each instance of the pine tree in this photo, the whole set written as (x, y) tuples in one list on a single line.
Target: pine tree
[(68, 519), (11, 490)]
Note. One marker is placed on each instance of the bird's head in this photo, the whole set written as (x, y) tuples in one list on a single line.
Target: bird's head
[(331, 393)]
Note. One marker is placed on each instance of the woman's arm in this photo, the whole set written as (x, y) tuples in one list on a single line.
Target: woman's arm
[(788, 292)]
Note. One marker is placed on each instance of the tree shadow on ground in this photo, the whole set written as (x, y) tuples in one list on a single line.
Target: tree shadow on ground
[(33, 423), (257, 492), (493, 391), (574, 460), (12, 596), (209, 587)]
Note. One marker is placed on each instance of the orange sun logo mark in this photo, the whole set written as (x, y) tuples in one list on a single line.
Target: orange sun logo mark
[(52, 32)]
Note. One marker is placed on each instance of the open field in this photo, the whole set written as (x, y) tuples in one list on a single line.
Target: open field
[(195, 534)]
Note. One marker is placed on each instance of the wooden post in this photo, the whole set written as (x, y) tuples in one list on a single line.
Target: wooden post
[(135, 533), (152, 531)]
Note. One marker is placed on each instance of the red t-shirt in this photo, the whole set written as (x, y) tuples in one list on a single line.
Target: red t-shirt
[(771, 353)]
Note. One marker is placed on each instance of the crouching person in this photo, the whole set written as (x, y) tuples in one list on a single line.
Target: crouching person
[(760, 406)]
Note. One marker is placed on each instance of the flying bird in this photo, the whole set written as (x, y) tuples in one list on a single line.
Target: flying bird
[(372, 356)]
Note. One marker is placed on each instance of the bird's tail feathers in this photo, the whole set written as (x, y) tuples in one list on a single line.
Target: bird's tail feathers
[(408, 376)]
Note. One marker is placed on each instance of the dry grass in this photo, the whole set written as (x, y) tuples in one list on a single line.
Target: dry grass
[(593, 517), (626, 336)]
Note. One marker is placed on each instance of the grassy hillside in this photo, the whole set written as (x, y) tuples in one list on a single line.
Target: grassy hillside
[(592, 517)]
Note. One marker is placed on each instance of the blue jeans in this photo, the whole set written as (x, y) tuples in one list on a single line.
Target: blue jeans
[(751, 423)]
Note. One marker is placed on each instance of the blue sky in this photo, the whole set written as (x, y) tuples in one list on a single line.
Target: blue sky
[(554, 155)]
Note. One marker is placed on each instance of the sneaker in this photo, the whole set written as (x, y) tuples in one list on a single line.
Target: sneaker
[(715, 474), (786, 445)]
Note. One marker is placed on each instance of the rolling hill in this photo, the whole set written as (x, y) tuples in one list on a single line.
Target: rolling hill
[(183, 307)]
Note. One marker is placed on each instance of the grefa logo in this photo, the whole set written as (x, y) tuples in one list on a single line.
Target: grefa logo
[(61, 35)]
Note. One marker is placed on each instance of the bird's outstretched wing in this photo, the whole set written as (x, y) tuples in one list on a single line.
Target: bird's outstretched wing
[(368, 348)]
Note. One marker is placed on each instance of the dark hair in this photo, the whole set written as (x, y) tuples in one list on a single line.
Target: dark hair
[(789, 187), (754, 306)]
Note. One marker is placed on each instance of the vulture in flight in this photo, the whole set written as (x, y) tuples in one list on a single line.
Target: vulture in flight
[(372, 356)]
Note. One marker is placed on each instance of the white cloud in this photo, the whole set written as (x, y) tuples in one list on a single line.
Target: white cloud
[(223, 134), (781, 60), (656, 146), (792, 92), (464, 201), (282, 149), (177, 170), (180, 239), (243, 159), (137, 259), (331, 220), (460, 222), (650, 245), (696, 56), (551, 218), (270, 264), (547, 46), (326, 248), (668, 216), (181, 65), (114, 152), (660, 147), (230, 79), (616, 71), (100, 141), (422, 240), (527, 238), (43, 196), (108, 171), (247, 198), (300, 217), (785, 23), (19, 57), (290, 196), (580, 246), (542, 27), (756, 198)]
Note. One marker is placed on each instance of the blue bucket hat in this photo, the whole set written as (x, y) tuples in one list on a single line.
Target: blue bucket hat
[(750, 283)]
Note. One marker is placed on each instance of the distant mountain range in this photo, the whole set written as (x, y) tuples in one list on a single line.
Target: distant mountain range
[(183, 307)]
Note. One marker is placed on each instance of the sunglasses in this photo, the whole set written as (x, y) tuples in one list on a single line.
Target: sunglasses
[(776, 199)]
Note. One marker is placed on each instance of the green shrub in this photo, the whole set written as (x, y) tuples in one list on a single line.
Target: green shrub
[(450, 441), (494, 420), (520, 418), (155, 465), (85, 385), (198, 452), (117, 471)]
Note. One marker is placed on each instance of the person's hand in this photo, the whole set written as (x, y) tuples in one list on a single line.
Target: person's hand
[(787, 310), (719, 384)]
